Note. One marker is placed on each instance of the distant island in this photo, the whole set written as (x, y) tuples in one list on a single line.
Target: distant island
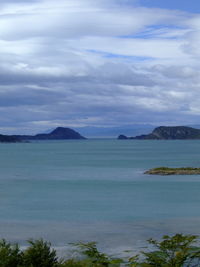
[(8, 139), (173, 171), (168, 133), (60, 133)]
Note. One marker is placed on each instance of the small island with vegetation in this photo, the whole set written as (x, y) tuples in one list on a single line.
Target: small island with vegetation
[(60, 133), (168, 133), (173, 171)]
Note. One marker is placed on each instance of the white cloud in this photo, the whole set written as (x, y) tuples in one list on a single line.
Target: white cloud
[(101, 61)]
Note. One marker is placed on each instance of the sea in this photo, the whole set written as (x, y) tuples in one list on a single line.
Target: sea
[(96, 190)]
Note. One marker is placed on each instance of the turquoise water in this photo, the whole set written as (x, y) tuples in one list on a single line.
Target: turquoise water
[(67, 191)]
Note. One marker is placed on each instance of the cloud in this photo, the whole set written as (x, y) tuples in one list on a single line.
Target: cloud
[(96, 63)]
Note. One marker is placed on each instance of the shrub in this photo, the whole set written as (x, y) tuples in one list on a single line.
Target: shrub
[(95, 257), (10, 255), (175, 251), (40, 254)]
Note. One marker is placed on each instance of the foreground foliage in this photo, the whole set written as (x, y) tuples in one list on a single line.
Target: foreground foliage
[(176, 251)]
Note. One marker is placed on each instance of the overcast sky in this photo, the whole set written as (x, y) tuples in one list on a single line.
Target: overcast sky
[(98, 63)]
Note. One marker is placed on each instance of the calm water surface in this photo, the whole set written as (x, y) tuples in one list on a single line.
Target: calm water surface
[(96, 190)]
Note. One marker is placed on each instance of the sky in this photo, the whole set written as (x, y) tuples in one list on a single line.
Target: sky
[(102, 63)]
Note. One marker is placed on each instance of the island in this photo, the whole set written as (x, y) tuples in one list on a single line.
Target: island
[(60, 133), (168, 133), (173, 171), (8, 139)]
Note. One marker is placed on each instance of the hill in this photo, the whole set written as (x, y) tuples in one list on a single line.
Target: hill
[(168, 133), (60, 133), (8, 139)]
